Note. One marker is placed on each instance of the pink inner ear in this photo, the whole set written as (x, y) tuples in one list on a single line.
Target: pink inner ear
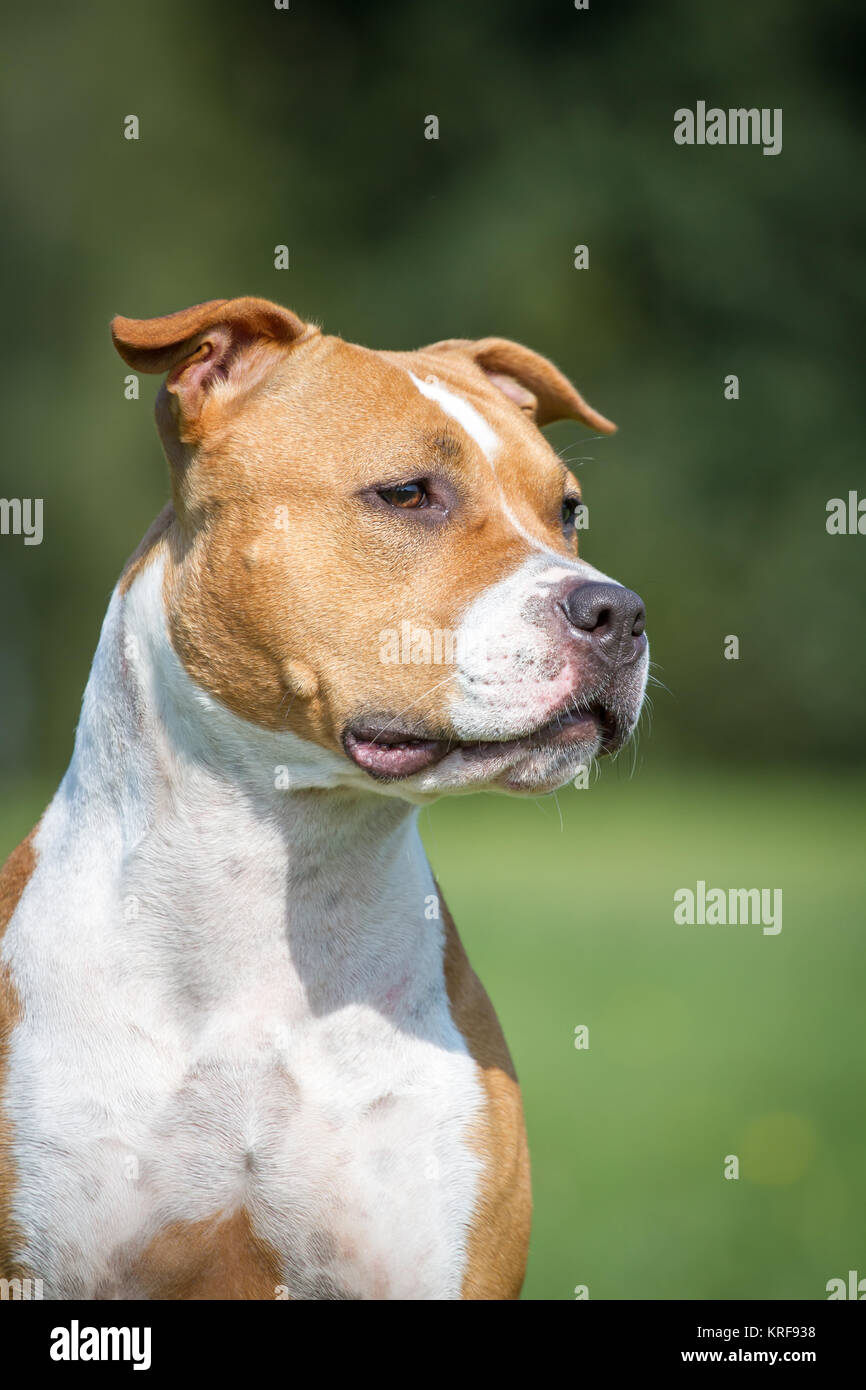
[(206, 364), (512, 388)]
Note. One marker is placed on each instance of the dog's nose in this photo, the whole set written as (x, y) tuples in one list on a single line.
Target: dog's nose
[(613, 616)]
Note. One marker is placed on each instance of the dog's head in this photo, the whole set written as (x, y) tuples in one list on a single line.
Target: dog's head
[(378, 550)]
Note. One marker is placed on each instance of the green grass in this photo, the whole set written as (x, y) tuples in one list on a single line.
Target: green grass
[(704, 1041)]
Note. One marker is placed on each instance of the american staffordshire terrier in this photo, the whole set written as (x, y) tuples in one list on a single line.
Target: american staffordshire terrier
[(244, 1054)]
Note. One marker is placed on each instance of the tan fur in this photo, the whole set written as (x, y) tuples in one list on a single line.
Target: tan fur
[(279, 582), (218, 1259), (14, 877), (499, 1238), (247, 599)]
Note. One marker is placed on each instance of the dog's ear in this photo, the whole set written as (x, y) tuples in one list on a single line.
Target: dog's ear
[(204, 345), (530, 380)]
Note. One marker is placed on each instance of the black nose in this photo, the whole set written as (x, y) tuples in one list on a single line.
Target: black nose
[(613, 616)]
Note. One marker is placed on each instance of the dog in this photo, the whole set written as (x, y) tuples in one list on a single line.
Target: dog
[(244, 1054)]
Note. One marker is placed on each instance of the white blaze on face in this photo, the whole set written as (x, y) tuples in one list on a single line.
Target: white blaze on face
[(488, 442), (465, 414)]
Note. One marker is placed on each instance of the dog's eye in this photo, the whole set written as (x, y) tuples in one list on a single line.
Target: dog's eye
[(570, 506), (407, 496)]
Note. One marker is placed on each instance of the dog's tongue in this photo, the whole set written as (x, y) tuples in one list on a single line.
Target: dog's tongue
[(393, 759)]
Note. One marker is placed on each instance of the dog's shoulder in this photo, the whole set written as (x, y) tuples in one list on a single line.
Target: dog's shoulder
[(499, 1237)]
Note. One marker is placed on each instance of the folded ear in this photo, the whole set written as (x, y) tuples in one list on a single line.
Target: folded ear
[(530, 380), (201, 346)]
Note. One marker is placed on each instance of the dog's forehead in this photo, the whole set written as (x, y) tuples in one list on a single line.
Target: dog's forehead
[(459, 392), (366, 404)]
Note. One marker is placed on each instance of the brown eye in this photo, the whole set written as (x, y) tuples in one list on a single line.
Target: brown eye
[(570, 507), (408, 496)]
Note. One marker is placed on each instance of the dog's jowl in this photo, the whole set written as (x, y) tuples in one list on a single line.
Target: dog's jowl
[(242, 1055)]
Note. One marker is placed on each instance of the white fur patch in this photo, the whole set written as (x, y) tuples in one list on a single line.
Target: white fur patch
[(465, 414)]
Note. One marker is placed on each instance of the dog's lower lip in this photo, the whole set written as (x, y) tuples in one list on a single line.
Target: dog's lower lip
[(390, 754)]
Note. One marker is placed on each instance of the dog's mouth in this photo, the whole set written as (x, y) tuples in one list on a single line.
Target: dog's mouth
[(389, 754)]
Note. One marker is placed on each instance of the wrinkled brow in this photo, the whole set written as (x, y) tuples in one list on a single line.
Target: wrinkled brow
[(445, 444)]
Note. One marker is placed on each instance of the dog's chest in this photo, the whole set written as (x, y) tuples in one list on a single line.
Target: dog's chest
[(191, 1097), (344, 1145), (341, 1146)]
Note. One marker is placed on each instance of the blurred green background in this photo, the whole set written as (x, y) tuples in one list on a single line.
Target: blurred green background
[(262, 127)]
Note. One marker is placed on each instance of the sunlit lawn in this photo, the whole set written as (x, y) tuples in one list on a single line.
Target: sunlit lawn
[(704, 1041)]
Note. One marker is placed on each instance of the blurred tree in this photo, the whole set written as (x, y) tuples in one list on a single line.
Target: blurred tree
[(305, 127)]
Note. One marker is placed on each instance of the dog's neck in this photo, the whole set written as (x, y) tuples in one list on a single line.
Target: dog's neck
[(235, 838)]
